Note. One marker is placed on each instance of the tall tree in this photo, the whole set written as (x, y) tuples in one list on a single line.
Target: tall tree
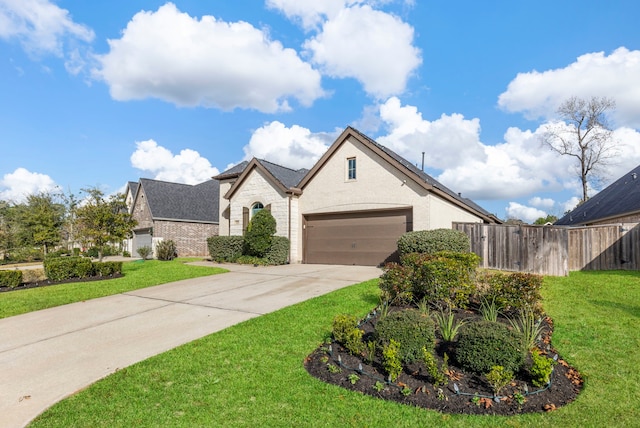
[(101, 221), (585, 135), (41, 219)]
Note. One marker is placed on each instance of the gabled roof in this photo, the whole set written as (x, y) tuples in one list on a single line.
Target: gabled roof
[(285, 179), (133, 188), (232, 172), (419, 176), (182, 202), (618, 199)]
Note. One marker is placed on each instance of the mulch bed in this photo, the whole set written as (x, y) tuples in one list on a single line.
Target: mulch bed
[(46, 282), (413, 388)]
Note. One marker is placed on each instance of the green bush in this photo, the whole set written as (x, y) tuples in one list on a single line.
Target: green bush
[(10, 278), (278, 253), (166, 250), (396, 283), (433, 241), (145, 251), (225, 248), (443, 276), (391, 360), (19, 255), (259, 234), (541, 369), (251, 260), (411, 329), (512, 291), (106, 268), (61, 268), (485, 344), (341, 326)]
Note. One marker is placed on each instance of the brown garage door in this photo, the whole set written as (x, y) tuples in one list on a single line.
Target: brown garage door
[(367, 238)]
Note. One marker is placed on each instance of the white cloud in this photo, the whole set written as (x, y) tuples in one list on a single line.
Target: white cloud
[(19, 184), (310, 13), (524, 213), (570, 204), (169, 55), (187, 167), (538, 94), (40, 26), (295, 147), (372, 46), (545, 203)]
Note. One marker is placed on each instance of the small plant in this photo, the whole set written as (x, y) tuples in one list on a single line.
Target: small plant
[(384, 309), (528, 326), (541, 369), (447, 325), (166, 250), (406, 391), (391, 360), (371, 351), (519, 398), (489, 309), (342, 326), (353, 378), (378, 386), (324, 359), (354, 343), (144, 252), (476, 399), (423, 306), (436, 373), (498, 378), (333, 369), (440, 395)]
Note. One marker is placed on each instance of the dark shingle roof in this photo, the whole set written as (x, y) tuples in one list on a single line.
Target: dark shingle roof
[(287, 177), (184, 202), (620, 198), (423, 175), (234, 171)]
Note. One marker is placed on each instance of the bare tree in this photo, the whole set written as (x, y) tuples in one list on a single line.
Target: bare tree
[(585, 135)]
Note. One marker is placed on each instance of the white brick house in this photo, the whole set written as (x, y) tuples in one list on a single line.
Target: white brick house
[(350, 208)]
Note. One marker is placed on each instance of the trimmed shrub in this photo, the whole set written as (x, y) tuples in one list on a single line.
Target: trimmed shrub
[(411, 329), (225, 248), (443, 276), (541, 369), (342, 325), (166, 250), (10, 278), (396, 283), (259, 234), (278, 253), (485, 344), (512, 291), (106, 268), (433, 241), (251, 260), (61, 268), (144, 252)]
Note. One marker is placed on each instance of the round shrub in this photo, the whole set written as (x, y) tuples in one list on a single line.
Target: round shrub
[(259, 234), (432, 241), (484, 344), (411, 329)]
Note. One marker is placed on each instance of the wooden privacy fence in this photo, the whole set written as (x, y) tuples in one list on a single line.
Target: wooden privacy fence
[(554, 250)]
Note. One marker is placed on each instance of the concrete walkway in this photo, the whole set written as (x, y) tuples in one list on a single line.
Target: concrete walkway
[(48, 355)]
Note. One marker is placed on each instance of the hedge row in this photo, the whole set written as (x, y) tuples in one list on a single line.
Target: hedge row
[(62, 268), (10, 278), (230, 249)]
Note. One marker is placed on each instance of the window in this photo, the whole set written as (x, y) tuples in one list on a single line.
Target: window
[(351, 168), (255, 208)]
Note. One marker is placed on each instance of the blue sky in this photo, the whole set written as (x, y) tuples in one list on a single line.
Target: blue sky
[(101, 93)]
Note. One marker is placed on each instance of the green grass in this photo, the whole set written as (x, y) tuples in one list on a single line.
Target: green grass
[(251, 375), (137, 274)]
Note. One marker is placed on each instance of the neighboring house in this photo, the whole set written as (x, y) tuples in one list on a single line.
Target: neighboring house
[(618, 203), (186, 214), (350, 208)]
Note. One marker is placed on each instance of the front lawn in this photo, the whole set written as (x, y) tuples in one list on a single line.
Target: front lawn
[(252, 374), (137, 274)]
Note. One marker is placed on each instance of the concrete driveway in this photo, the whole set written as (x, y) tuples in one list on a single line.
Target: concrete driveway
[(48, 355)]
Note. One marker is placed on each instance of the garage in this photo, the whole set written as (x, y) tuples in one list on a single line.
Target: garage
[(141, 238), (366, 238)]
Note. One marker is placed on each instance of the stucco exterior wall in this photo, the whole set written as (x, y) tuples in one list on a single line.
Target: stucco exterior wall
[(443, 213), (190, 238), (257, 188)]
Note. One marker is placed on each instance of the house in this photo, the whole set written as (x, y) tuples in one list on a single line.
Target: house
[(186, 214), (618, 203), (350, 208)]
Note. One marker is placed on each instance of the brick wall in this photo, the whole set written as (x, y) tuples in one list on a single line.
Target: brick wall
[(190, 238)]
